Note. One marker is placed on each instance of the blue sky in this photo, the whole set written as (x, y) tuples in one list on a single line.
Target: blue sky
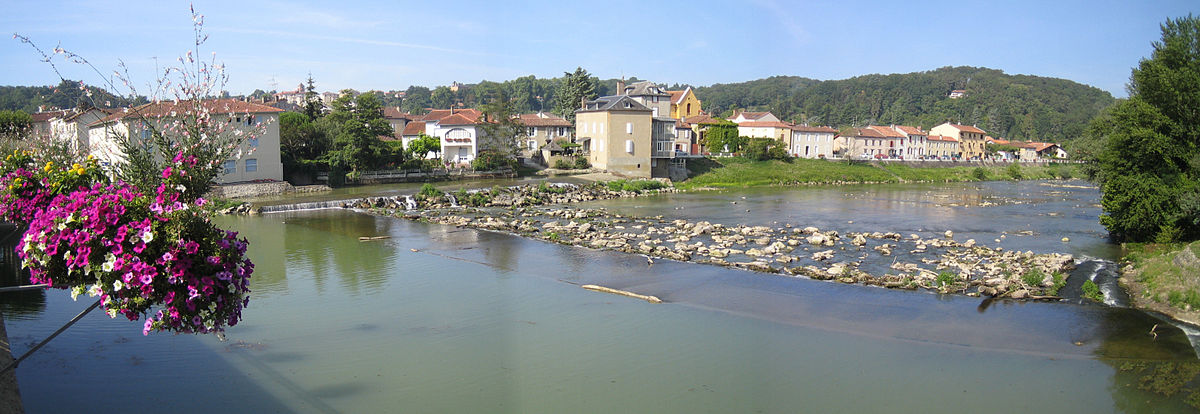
[(390, 45)]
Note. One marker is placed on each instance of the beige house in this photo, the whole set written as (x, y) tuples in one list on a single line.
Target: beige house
[(740, 117), (622, 136), (916, 141), (540, 129), (865, 143), (942, 146), (397, 119), (258, 158), (811, 142), (970, 139), (780, 131), (69, 126)]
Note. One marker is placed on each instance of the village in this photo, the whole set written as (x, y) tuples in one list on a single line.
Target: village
[(643, 132)]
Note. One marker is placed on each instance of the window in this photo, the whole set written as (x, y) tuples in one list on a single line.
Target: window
[(600, 145), (532, 144), (251, 165), (562, 131), (251, 120), (532, 131), (629, 127), (230, 167), (629, 146), (601, 128), (689, 108)]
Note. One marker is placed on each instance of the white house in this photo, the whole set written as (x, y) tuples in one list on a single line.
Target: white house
[(458, 130), (811, 142), (917, 140), (259, 160)]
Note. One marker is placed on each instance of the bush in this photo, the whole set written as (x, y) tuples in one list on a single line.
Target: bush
[(491, 160), (1014, 171), (562, 164), (979, 174), (1092, 291), (581, 163), (946, 279), (428, 191), (763, 149), (1033, 277)]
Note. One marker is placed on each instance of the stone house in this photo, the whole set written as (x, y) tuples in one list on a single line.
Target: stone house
[(970, 138)]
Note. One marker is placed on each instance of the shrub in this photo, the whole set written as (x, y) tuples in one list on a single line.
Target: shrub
[(946, 279), (615, 185), (1014, 171), (491, 160), (562, 164), (581, 163), (1092, 291), (979, 174), (1033, 277), (428, 191), (642, 185), (763, 149)]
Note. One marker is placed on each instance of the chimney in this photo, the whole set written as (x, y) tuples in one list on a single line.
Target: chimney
[(582, 103), (620, 87)]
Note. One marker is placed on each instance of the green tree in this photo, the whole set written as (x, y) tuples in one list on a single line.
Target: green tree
[(441, 98), (360, 123), (574, 88), (301, 138), (423, 145), (313, 106), (416, 99), (14, 124), (723, 137), (501, 128), (1149, 144)]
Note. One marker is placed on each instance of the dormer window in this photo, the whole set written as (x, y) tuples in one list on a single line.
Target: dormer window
[(628, 105)]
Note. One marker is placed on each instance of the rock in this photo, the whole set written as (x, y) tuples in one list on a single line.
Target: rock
[(859, 240), (949, 234), (816, 239), (811, 230), (969, 244), (825, 255), (1019, 294), (755, 253), (1066, 240)]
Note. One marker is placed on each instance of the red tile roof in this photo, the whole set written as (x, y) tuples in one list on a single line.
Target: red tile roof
[(677, 96), (414, 128), (1042, 146), (438, 114), (911, 130), (459, 119), (765, 124), (965, 128), (172, 108), (533, 120), (391, 112), (887, 131), (942, 138), (868, 133), (48, 115)]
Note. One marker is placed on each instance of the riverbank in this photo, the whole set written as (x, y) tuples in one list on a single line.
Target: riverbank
[(739, 172), (1163, 278)]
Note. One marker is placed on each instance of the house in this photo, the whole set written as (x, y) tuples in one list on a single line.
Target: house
[(623, 136), (398, 120), (942, 146), (295, 97), (697, 126), (970, 138), (649, 95), (958, 93), (916, 140), (894, 141), (780, 131), (864, 143), (740, 117), (540, 129), (69, 126), (458, 130), (259, 154), (811, 142), (1048, 150), (684, 103)]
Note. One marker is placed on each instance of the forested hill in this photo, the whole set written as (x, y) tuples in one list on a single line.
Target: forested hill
[(1020, 107), (64, 96)]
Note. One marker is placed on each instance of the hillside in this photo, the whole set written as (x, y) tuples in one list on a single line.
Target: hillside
[(66, 95), (1020, 107)]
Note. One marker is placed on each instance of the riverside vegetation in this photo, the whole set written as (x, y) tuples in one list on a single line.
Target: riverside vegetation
[(741, 172)]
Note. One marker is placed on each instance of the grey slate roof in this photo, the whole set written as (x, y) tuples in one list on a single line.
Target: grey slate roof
[(644, 88), (613, 103)]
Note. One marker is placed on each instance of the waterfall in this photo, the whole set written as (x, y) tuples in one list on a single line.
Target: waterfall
[(316, 205), (453, 201)]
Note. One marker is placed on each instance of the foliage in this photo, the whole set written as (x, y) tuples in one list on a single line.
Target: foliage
[(313, 106), (300, 138), (501, 128), (356, 146), (1014, 171), (581, 163), (1033, 277), (428, 191), (636, 186), (563, 164), (67, 94), (723, 137), (1148, 158), (423, 145), (14, 123), (946, 279), (979, 174), (136, 251), (491, 161), (763, 149), (1092, 291), (1020, 107), (574, 88), (740, 172)]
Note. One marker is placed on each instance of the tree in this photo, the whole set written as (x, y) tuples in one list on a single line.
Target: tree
[(501, 129), (14, 124), (574, 88), (356, 146), (423, 145), (441, 97), (301, 138), (723, 137), (416, 99), (1149, 159), (313, 106)]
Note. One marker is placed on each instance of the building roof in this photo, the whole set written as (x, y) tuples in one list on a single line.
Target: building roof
[(887, 131), (702, 119), (964, 128), (459, 118), (438, 114), (48, 115), (1042, 146), (393, 112), (542, 119), (806, 128), (644, 88), (910, 130), (752, 115), (867, 133), (414, 128), (765, 124), (942, 138), (173, 108), (613, 103), (677, 96)]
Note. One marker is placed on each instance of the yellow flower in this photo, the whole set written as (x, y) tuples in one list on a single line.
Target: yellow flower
[(49, 166), (77, 169)]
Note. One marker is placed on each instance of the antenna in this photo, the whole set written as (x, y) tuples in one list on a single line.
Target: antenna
[(273, 83)]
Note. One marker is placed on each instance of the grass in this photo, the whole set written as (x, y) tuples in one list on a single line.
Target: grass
[(736, 172), (1166, 271), (1092, 291), (636, 186)]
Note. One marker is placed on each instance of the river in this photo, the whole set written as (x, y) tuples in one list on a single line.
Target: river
[(442, 319)]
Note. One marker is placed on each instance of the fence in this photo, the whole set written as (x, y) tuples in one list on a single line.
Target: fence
[(401, 176)]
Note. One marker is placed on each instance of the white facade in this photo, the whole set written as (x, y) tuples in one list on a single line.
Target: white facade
[(812, 144)]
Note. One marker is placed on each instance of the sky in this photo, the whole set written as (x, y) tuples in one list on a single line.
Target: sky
[(390, 45)]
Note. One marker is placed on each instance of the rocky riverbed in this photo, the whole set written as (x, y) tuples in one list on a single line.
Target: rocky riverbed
[(934, 261)]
